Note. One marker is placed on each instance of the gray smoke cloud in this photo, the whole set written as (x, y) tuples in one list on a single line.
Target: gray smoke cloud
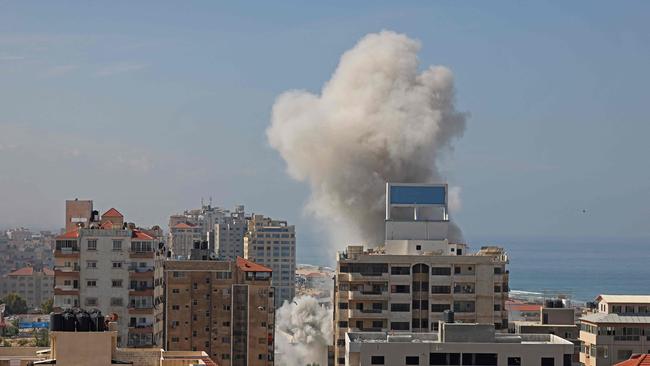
[(377, 119), (303, 330)]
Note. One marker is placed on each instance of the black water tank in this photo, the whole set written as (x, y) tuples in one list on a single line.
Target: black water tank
[(559, 304), (448, 316), (69, 321), (83, 322), (549, 304), (56, 322), (101, 325), (93, 320)]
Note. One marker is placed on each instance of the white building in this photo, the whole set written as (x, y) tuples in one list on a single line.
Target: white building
[(229, 234), (457, 344), (116, 269), (272, 243)]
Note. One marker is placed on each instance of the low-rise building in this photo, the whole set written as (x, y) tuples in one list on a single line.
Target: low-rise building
[(618, 328), (33, 285), (457, 344)]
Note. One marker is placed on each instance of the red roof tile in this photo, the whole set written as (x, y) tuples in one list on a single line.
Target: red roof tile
[(25, 271), (636, 360), (141, 235), (73, 234), (112, 213), (48, 272), (248, 266), (524, 307), (183, 225), (107, 225)]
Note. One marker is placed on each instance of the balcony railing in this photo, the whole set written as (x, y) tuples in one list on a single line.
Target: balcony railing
[(141, 288), (140, 325), (141, 269)]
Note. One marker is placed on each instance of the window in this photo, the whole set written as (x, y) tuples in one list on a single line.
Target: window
[(117, 265), (400, 270), (483, 359), (439, 308), (497, 288), (514, 361), (91, 264), (444, 359), (497, 307), (117, 301), (176, 291), (400, 289), (92, 244), (412, 360), (399, 325), (91, 283), (457, 270), (343, 324), (440, 289), (176, 307), (343, 305), (91, 301), (548, 361), (117, 245), (376, 360), (400, 307), (418, 247), (440, 271), (116, 283)]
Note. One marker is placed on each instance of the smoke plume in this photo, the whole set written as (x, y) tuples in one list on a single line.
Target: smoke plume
[(303, 331), (378, 119)]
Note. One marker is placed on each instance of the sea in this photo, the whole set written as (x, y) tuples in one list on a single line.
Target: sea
[(579, 269)]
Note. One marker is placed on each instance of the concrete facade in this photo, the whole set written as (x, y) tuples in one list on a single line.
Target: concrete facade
[(224, 308), (32, 285), (272, 243), (618, 328), (116, 270), (456, 344), (406, 284)]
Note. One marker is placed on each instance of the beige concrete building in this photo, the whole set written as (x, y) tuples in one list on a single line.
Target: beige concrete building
[(96, 349), (457, 344), (272, 243), (555, 319), (618, 328), (117, 269), (182, 237), (406, 284), (224, 308), (32, 285)]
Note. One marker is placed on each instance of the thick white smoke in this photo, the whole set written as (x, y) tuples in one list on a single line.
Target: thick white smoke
[(303, 329), (378, 119)]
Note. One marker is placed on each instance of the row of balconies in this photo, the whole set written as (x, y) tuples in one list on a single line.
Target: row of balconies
[(349, 277)]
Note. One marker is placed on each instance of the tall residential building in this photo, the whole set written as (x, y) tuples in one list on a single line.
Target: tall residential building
[(32, 285), (222, 229), (619, 327), (406, 284), (272, 243), (229, 234), (115, 268), (457, 344), (224, 308)]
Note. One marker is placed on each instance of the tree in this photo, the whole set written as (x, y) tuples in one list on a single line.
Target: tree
[(41, 338), (47, 306), (14, 304)]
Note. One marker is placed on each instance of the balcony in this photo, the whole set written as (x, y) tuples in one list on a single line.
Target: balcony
[(67, 271), (138, 254), (66, 290), (141, 310), (141, 291), (367, 295), (140, 328), (367, 313), (363, 277), (141, 272), (66, 252)]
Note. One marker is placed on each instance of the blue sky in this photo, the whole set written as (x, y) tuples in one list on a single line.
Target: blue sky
[(148, 106)]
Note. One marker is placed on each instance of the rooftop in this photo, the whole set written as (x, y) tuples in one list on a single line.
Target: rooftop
[(137, 234), (248, 266), (112, 213), (72, 234), (383, 337), (627, 299), (636, 360), (28, 271), (616, 318)]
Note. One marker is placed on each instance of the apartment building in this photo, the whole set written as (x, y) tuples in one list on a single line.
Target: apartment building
[(406, 284), (272, 243), (222, 229), (116, 268), (224, 308), (457, 344), (33, 285), (618, 328), (555, 319), (229, 234)]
